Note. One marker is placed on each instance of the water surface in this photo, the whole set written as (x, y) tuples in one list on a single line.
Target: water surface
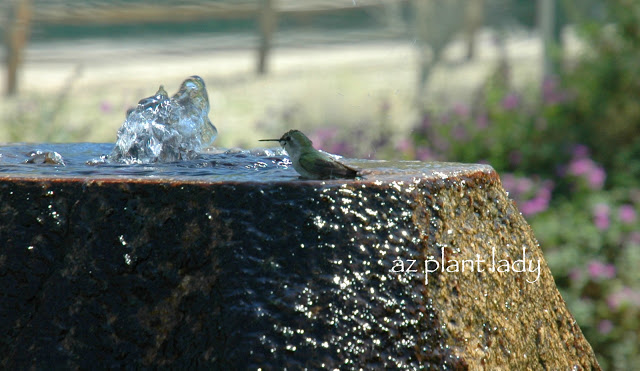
[(258, 165)]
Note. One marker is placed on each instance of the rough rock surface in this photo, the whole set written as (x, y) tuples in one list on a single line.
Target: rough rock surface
[(237, 275)]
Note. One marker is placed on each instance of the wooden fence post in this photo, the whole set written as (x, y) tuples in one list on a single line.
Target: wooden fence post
[(267, 20), (546, 10), (17, 35), (474, 17), (435, 23)]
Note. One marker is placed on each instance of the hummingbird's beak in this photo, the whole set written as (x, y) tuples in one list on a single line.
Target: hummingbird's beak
[(269, 140)]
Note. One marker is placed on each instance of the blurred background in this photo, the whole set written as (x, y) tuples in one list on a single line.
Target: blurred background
[(546, 91)]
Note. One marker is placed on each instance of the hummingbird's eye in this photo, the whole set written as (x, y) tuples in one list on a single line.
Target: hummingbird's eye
[(287, 138)]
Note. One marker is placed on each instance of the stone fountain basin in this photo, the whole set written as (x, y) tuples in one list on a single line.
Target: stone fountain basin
[(231, 262)]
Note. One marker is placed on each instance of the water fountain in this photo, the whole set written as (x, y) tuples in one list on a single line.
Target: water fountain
[(226, 260)]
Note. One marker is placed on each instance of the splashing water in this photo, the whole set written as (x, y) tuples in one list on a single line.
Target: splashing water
[(163, 129)]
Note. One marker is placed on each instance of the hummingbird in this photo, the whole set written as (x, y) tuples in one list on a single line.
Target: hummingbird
[(308, 161)]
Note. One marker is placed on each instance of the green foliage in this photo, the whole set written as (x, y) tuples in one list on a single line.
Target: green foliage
[(606, 82), (592, 246), (595, 255), (512, 131)]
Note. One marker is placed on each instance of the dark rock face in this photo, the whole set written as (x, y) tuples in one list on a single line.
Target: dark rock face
[(131, 274)]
